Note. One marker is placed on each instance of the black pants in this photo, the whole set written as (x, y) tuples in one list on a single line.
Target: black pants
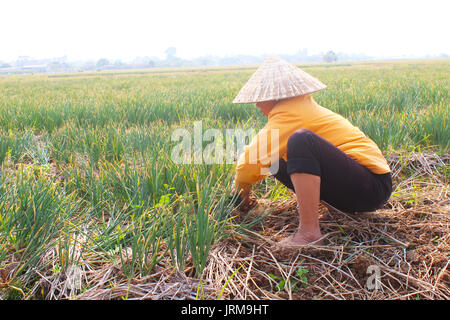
[(344, 183)]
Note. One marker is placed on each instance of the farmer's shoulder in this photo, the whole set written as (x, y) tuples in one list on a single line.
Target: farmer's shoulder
[(302, 108)]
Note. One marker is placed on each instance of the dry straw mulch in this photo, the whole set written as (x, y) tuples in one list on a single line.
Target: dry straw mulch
[(406, 243)]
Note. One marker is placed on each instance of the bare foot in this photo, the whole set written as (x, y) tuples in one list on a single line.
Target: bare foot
[(302, 238)]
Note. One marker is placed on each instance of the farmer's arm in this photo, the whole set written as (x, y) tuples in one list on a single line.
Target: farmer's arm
[(268, 146)]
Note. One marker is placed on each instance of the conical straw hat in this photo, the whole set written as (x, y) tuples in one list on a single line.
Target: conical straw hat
[(277, 79)]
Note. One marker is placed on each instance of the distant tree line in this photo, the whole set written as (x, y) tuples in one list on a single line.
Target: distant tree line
[(26, 64)]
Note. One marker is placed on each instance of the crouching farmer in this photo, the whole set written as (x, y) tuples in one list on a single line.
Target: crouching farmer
[(319, 154)]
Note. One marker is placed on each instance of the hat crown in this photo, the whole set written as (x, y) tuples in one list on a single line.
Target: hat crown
[(277, 79)]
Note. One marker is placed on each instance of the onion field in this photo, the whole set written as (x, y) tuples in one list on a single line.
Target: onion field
[(93, 206)]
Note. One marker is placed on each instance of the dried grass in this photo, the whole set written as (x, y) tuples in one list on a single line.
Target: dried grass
[(407, 240)]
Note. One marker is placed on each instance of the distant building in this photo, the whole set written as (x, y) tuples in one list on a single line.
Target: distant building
[(39, 68)]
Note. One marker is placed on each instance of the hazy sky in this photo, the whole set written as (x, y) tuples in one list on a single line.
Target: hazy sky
[(124, 29)]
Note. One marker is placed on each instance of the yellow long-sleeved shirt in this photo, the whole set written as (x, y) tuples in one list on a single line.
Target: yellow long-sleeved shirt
[(303, 112)]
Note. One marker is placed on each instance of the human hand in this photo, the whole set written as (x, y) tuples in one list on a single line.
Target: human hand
[(247, 202)]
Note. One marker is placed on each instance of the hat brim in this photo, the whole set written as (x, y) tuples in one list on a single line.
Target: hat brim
[(274, 98), (277, 79)]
